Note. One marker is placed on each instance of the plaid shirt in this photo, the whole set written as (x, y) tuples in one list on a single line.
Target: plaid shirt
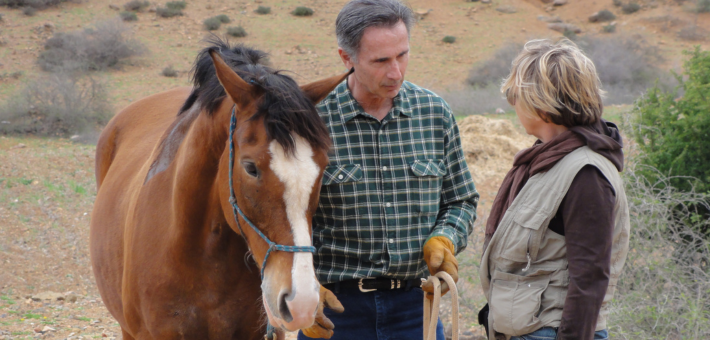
[(390, 186)]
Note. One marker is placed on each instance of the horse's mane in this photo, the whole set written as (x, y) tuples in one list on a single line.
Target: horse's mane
[(284, 106)]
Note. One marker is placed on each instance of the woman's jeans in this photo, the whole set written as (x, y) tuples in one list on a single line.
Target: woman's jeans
[(549, 333), (379, 315)]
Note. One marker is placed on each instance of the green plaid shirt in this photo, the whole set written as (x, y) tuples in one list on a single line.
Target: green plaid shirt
[(390, 186)]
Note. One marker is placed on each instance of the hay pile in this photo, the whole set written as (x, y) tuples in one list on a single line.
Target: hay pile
[(490, 145)]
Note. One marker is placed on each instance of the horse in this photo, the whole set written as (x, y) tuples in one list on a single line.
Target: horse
[(202, 219)]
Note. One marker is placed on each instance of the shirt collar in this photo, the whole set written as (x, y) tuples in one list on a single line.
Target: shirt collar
[(400, 104)]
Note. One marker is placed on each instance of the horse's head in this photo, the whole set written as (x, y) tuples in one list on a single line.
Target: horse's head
[(279, 152)]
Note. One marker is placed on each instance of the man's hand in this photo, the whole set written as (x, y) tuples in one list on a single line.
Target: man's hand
[(323, 327), (439, 256)]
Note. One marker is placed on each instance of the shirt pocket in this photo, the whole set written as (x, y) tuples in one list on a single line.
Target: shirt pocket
[(523, 240), (427, 168), (338, 174), (515, 302), (424, 186)]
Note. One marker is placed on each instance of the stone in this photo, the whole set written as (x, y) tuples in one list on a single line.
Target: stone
[(559, 2), (485, 1), (48, 295), (500, 111), (562, 27), (114, 7), (550, 19), (506, 9)]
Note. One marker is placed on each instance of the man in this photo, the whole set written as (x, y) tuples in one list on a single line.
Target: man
[(397, 189)]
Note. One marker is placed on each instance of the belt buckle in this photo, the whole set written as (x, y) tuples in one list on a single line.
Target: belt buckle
[(359, 285)]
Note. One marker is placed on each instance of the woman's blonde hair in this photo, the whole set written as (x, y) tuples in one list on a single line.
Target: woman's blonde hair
[(556, 82)]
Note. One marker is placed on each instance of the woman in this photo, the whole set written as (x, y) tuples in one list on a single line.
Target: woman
[(557, 236)]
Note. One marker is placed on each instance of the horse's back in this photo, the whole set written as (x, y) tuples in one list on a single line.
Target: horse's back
[(123, 154)]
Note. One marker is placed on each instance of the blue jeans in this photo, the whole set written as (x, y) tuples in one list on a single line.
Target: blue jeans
[(380, 315), (549, 333)]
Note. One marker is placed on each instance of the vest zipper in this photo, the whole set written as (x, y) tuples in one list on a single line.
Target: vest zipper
[(527, 252)]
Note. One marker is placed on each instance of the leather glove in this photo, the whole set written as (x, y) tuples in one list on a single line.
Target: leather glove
[(439, 256), (323, 327)]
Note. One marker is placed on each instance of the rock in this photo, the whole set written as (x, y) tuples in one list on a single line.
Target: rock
[(75, 137), (506, 9), (48, 329), (485, 1), (70, 297), (559, 2), (549, 19), (48, 295), (500, 111), (562, 27), (114, 7), (19, 146), (546, 1), (422, 13)]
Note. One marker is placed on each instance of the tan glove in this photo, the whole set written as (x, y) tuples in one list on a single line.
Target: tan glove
[(323, 327), (439, 256)]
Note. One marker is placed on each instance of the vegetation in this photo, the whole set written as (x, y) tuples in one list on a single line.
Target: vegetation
[(263, 10), (449, 39), (609, 28), (605, 15), (165, 12), (674, 134), (702, 6), (36, 4), (212, 24), (136, 6), (237, 31), (169, 72), (29, 11), (301, 11), (223, 18), (57, 104), (128, 16), (176, 5), (106, 45), (630, 8)]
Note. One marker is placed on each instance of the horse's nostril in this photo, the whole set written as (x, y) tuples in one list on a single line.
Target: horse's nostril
[(283, 308)]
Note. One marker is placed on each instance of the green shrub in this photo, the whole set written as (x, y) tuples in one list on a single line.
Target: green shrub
[(169, 72), (212, 24), (36, 4), (263, 10), (570, 34), (128, 16), (166, 12), (301, 11), (674, 134), (449, 39), (29, 11), (605, 15), (237, 31), (58, 104), (631, 7), (223, 18), (609, 28), (176, 5), (703, 6), (136, 6), (617, 3)]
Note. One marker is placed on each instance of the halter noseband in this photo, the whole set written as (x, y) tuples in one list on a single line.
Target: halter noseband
[(235, 207)]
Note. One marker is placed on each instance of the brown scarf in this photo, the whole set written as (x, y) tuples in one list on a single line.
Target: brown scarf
[(538, 158)]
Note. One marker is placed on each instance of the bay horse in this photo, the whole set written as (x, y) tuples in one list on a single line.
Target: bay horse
[(170, 255)]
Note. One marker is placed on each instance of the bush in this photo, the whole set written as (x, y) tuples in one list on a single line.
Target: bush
[(631, 7), (29, 11), (169, 72), (609, 28), (263, 10), (59, 104), (674, 134), (703, 6), (104, 46), (176, 5), (128, 16), (223, 18), (493, 70), (302, 11), (605, 15), (212, 24), (664, 289), (237, 31), (136, 6), (692, 32), (36, 4), (617, 3), (570, 34), (449, 39), (165, 12)]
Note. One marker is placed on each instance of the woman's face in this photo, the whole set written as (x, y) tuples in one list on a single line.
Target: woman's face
[(529, 120)]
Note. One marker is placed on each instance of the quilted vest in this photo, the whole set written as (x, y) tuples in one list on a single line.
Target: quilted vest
[(524, 270)]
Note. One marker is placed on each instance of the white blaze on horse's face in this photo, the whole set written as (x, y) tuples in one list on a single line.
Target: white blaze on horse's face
[(298, 173)]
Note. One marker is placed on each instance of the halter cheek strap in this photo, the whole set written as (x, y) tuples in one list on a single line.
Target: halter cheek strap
[(233, 200)]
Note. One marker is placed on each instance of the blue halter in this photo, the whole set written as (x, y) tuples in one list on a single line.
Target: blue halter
[(232, 199)]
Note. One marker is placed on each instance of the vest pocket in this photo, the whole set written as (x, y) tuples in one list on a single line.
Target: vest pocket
[(515, 302), (523, 239)]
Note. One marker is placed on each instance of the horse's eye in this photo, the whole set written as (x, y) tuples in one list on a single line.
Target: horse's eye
[(251, 169)]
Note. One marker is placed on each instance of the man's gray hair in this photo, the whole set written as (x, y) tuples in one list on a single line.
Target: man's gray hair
[(358, 15)]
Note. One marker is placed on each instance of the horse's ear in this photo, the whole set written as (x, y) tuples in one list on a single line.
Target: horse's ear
[(241, 93), (318, 90)]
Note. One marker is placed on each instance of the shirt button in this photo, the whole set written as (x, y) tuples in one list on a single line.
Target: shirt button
[(384, 168), (388, 204), (340, 176), (390, 241)]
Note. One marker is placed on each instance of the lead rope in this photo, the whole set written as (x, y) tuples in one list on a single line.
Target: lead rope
[(431, 308)]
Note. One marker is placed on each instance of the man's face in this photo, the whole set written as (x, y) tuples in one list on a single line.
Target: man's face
[(381, 61)]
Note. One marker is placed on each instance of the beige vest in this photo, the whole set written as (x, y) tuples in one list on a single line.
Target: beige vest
[(524, 270)]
